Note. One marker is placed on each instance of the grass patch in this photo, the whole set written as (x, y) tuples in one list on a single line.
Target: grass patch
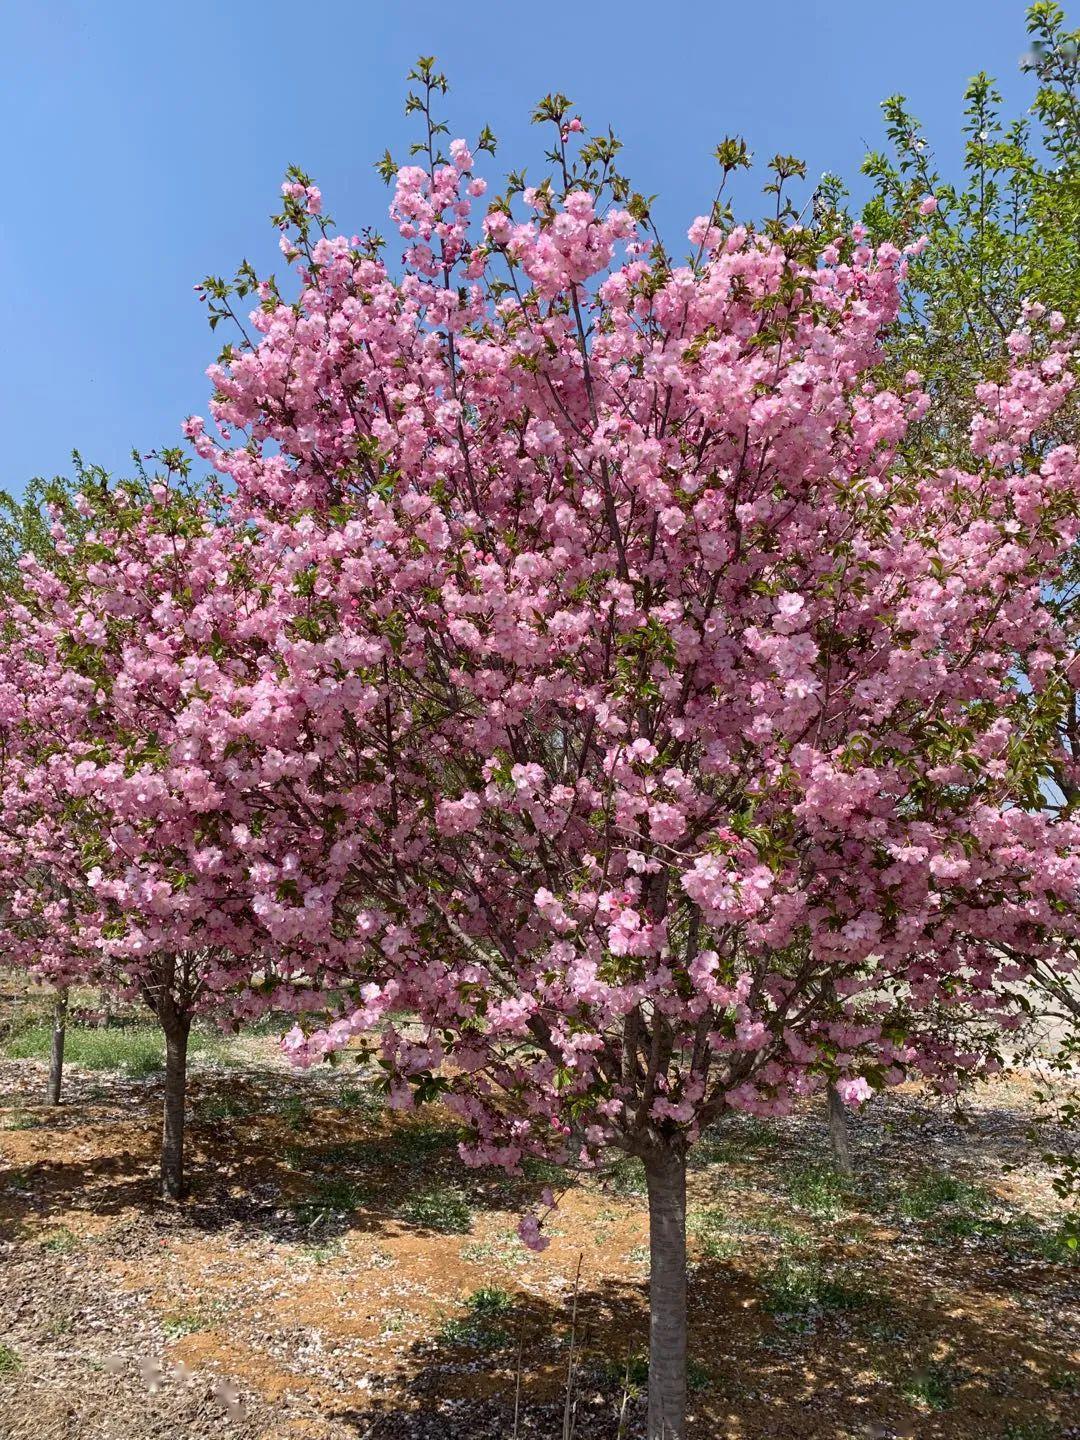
[(819, 1190), (294, 1112), (19, 1119), (482, 1326), (634, 1374), (10, 1364), (625, 1176), (711, 1230), (937, 1196), (329, 1199), (59, 1240), (932, 1387), (188, 1322), (799, 1286), (440, 1208), (136, 1050), (216, 1108), (359, 1098), (735, 1139)]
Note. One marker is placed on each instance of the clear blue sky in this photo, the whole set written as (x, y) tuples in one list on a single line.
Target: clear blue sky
[(143, 143)]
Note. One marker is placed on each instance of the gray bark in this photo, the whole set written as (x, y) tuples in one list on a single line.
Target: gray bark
[(56, 1054), (838, 1133), (176, 1029), (665, 1174)]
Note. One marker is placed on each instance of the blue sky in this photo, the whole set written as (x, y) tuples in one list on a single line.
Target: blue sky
[(143, 145)]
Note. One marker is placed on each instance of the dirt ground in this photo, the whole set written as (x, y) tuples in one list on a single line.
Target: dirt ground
[(338, 1275)]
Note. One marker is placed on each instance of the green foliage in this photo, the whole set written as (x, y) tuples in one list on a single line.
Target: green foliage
[(820, 1190), (137, 1050), (932, 1387), (329, 1199), (1006, 230), (937, 1196), (10, 1364), (440, 1208), (483, 1326), (800, 1285)]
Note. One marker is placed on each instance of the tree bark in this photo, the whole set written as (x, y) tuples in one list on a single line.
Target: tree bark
[(177, 1028), (838, 1133), (665, 1175), (56, 1055)]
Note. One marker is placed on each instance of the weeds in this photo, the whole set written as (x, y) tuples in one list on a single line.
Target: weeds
[(936, 1196), (439, 1208), (481, 1327), (329, 1199), (932, 1387), (819, 1190), (800, 1285), (59, 1240)]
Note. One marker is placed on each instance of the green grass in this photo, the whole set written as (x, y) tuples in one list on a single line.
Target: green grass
[(188, 1322), (733, 1140), (758, 1225), (800, 1285), (10, 1364), (937, 1196), (294, 1112), (634, 1374), (932, 1387), (22, 1120), (819, 1190), (711, 1229), (1029, 1430), (59, 1240), (137, 1050), (439, 1208), (216, 1108), (359, 1097), (329, 1199), (482, 1326), (626, 1176)]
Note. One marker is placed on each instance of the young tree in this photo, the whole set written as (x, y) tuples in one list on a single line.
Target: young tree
[(1004, 236), (26, 529), (116, 813), (660, 747)]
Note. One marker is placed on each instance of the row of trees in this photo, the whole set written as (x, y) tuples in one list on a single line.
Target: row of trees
[(635, 689)]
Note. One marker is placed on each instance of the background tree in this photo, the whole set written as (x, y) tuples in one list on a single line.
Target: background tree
[(1005, 236), (116, 830)]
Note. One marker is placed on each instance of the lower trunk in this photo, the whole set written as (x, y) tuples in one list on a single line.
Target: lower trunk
[(172, 1139), (665, 1174), (838, 1133), (56, 1056)]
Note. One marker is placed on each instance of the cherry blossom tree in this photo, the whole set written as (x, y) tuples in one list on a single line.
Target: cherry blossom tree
[(572, 669), (115, 828), (634, 724)]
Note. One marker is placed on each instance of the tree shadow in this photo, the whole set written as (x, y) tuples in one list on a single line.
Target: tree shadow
[(281, 1158), (901, 1362)]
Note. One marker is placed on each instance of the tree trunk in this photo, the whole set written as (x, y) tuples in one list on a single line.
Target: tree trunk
[(665, 1174), (56, 1056), (172, 1140), (838, 1133)]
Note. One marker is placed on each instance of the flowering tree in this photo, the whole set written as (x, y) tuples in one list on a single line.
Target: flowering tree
[(662, 755), (575, 671), (116, 821), (1004, 240)]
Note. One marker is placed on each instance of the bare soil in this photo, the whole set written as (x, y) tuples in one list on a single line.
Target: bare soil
[(321, 1282)]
